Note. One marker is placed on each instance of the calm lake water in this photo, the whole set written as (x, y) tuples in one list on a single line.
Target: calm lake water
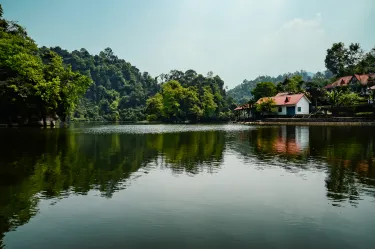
[(187, 186)]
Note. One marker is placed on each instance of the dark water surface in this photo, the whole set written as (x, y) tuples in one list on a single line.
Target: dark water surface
[(187, 186)]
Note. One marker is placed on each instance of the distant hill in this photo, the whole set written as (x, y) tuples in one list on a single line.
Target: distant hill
[(242, 93), (310, 74)]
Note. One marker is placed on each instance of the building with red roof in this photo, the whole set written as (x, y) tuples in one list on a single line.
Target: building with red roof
[(361, 79), (290, 104), (244, 112)]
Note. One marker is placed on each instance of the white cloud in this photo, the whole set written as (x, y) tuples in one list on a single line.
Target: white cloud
[(241, 39), (298, 44)]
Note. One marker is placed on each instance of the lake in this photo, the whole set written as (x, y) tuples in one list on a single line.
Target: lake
[(187, 186)]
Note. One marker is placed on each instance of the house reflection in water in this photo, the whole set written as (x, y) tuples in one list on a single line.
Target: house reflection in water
[(292, 140), (289, 140)]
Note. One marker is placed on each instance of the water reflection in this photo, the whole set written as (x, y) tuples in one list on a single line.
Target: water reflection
[(57, 163), (268, 144), (349, 152), (346, 154), (53, 164)]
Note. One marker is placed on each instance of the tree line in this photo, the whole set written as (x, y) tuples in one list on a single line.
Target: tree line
[(243, 92), (190, 96), (34, 82), (340, 61), (53, 82), (121, 91), (346, 61)]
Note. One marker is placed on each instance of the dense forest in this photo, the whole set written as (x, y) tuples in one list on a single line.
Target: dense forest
[(34, 82), (120, 91), (190, 96), (340, 61), (243, 92)]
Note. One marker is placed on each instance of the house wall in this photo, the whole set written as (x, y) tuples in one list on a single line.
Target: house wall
[(303, 136), (305, 106), (303, 103), (283, 110)]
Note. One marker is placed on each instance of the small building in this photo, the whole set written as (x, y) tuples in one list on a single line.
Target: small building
[(363, 80), (243, 112), (290, 104)]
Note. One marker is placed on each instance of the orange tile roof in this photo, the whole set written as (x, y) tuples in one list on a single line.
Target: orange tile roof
[(364, 78), (343, 81), (246, 106)]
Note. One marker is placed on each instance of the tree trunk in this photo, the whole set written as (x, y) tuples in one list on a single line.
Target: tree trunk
[(44, 120)]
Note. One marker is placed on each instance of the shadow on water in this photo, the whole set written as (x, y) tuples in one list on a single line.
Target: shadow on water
[(53, 164)]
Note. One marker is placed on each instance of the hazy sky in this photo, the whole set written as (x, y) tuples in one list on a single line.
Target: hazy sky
[(237, 39)]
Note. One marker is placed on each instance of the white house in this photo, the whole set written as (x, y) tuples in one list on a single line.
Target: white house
[(290, 104)]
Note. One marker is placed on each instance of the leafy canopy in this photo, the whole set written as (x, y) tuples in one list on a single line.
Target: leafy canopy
[(267, 105), (264, 89)]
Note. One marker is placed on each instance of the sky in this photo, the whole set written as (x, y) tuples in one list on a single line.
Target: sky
[(236, 39)]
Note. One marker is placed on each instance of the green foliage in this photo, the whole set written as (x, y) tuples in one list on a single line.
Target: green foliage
[(314, 90), (291, 85), (172, 92), (367, 64), (34, 82), (120, 90), (342, 61), (243, 92), (267, 105), (198, 98), (208, 104), (349, 99), (57, 78), (264, 89), (341, 98), (155, 107), (334, 97)]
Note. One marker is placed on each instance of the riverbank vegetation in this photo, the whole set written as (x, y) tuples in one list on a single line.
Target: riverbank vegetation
[(40, 82), (198, 98), (34, 82), (37, 83), (346, 88)]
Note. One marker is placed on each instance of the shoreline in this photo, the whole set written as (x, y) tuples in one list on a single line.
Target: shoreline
[(336, 121), (310, 123)]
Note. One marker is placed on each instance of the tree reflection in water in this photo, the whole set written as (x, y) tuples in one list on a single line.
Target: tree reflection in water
[(56, 163), (345, 153), (53, 164)]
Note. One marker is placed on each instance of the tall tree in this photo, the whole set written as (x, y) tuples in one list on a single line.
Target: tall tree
[(33, 83), (208, 104), (293, 84), (264, 89), (267, 105), (342, 61)]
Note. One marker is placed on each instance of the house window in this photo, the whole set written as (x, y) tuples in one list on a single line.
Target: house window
[(299, 109), (280, 109)]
